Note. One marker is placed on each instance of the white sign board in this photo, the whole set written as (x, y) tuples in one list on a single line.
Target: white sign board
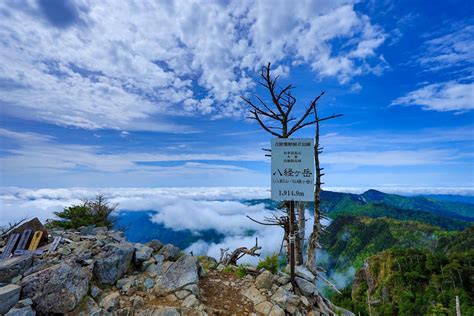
[(293, 169)]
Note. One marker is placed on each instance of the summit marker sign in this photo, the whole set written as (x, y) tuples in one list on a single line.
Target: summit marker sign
[(292, 169)]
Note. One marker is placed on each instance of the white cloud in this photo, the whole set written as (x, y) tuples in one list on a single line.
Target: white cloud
[(453, 49), (445, 96), (131, 65)]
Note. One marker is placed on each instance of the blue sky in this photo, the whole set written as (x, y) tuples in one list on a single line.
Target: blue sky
[(146, 94)]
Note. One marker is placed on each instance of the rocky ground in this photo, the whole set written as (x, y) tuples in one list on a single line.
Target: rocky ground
[(96, 271)]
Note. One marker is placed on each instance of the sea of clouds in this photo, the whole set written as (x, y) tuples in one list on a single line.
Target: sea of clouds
[(196, 209)]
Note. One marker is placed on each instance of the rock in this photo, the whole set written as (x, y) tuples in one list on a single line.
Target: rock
[(278, 311), (13, 267), (182, 294), (137, 301), (95, 291), (158, 311), (110, 302), (148, 283), (220, 267), (155, 244), (21, 311), (155, 269), (57, 289), (283, 279), (142, 253), (190, 301), (193, 288), (264, 307), (286, 299), (264, 280), (253, 295), (304, 273), (306, 287), (179, 274), (113, 262), (169, 252), (124, 284), (24, 303), (9, 296), (34, 225)]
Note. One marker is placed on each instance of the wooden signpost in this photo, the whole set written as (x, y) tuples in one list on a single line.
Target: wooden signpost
[(292, 179), (7, 251), (25, 237), (36, 240)]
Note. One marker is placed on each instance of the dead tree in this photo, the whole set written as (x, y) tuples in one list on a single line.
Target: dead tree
[(313, 241), (5, 230), (232, 258), (277, 119), (300, 207)]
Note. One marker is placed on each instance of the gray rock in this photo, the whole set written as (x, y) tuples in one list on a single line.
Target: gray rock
[(113, 262), (111, 302), (286, 300), (254, 295), (181, 294), (148, 283), (190, 301), (179, 274), (137, 301), (13, 267), (155, 244), (9, 296), (95, 291), (21, 311), (142, 253), (169, 252), (264, 307), (278, 311), (306, 287), (264, 280), (24, 303), (193, 288), (57, 289), (304, 273), (159, 311)]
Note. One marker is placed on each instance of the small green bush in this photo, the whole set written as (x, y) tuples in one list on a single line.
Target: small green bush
[(96, 212), (270, 263), (241, 272)]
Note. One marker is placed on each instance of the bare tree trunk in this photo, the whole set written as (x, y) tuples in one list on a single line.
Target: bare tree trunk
[(313, 241), (301, 233)]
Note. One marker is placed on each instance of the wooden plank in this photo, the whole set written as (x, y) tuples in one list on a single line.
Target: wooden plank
[(36, 240), (10, 246), (25, 237), (55, 244), (24, 252)]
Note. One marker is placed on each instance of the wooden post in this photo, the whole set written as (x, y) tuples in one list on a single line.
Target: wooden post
[(292, 242), (458, 306)]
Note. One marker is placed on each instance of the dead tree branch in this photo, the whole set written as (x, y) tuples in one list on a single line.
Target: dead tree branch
[(232, 258)]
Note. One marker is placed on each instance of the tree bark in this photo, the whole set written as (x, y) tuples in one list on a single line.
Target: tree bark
[(313, 241), (301, 233)]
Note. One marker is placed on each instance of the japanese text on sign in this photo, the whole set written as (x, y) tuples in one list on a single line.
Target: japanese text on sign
[(292, 169)]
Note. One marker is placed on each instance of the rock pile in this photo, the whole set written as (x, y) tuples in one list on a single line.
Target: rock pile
[(95, 271)]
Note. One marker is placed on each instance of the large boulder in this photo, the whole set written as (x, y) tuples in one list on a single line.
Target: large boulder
[(306, 287), (57, 289), (113, 262), (13, 267), (169, 252), (179, 274), (264, 280), (286, 299), (304, 273), (142, 253), (9, 296)]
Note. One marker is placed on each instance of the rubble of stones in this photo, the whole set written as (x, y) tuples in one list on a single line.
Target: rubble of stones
[(95, 271)]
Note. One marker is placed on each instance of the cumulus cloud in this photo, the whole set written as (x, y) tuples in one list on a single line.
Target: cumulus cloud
[(131, 65)]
